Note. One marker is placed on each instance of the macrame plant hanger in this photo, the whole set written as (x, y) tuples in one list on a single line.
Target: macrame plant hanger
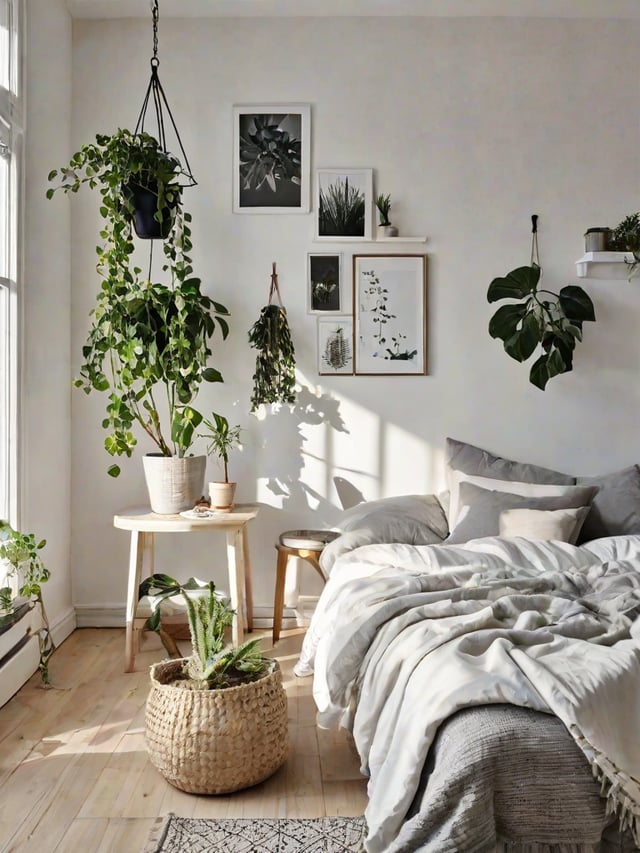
[(274, 377), (155, 93)]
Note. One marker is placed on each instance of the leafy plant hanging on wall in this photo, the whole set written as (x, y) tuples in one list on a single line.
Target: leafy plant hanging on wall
[(551, 321), (274, 379)]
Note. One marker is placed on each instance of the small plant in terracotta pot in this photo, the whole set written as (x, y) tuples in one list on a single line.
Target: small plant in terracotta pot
[(222, 439)]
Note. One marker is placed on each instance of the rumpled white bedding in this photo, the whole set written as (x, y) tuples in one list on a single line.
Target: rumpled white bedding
[(403, 636)]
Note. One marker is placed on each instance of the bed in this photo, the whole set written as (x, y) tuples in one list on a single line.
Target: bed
[(491, 681)]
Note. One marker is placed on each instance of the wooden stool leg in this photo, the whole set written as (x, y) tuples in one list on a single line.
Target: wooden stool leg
[(278, 603)]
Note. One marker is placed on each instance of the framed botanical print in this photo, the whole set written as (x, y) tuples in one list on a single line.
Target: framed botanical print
[(390, 314), (271, 158), (324, 283), (335, 345), (344, 204)]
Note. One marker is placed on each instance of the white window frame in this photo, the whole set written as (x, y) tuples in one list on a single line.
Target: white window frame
[(12, 114)]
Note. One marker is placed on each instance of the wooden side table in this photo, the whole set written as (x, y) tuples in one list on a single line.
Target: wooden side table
[(143, 524)]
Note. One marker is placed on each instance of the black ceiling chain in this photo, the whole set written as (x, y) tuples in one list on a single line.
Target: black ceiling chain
[(155, 14)]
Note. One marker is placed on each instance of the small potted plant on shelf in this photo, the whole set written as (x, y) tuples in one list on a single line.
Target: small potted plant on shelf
[(386, 229), (626, 238), (148, 339), (221, 439), (22, 573), (224, 703)]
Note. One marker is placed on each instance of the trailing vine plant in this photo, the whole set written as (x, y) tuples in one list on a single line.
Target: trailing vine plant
[(551, 321), (27, 572), (274, 377)]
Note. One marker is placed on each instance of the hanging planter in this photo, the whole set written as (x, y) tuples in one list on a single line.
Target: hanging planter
[(274, 378), (542, 318), (149, 221)]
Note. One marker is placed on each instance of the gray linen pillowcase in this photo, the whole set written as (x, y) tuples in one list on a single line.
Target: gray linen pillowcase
[(480, 509), (615, 510), (412, 519), (474, 460)]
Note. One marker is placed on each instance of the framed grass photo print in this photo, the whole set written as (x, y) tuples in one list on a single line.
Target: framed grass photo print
[(344, 204), (271, 158), (390, 314), (335, 345), (324, 284)]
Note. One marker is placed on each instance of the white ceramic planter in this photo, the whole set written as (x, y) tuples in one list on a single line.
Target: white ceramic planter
[(222, 495), (174, 483)]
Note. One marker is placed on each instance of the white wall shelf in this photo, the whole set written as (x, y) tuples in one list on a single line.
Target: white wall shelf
[(603, 265), (401, 239)]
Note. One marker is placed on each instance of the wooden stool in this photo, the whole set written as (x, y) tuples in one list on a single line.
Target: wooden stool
[(306, 544)]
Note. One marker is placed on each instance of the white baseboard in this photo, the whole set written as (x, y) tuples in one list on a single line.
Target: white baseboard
[(63, 626), (114, 615)]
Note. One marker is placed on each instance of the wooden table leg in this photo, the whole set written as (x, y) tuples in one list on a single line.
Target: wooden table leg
[(248, 583), (236, 583), (136, 551), (278, 604)]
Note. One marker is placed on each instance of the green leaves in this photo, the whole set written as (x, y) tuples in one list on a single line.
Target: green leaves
[(209, 616), (554, 324), (517, 284)]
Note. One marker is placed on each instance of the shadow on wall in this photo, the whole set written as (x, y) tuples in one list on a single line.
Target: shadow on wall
[(285, 455)]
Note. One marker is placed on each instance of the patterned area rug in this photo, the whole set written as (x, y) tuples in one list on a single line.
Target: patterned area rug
[(261, 835)]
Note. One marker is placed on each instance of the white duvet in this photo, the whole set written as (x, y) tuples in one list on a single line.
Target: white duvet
[(403, 636)]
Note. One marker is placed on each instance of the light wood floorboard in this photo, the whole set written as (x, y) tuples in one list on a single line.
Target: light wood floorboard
[(74, 772)]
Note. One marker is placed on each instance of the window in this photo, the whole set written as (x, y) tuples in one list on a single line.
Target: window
[(11, 144)]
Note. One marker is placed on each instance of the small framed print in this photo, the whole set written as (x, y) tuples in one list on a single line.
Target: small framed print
[(324, 284), (335, 345), (271, 158), (344, 204), (390, 314)]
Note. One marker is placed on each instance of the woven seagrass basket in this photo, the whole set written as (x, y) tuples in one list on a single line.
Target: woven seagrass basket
[(215, 741)]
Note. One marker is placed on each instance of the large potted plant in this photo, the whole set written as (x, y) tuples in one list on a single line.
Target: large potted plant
[(22, 611), (221, 439), (216, 721), (148, 340)]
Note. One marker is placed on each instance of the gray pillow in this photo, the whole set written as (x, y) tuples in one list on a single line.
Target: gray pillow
[(475, 460), (412, 519), (480, 509), (616, 508)]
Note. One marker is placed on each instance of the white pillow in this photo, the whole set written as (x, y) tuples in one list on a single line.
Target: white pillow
[(527, 490), (561, 524)]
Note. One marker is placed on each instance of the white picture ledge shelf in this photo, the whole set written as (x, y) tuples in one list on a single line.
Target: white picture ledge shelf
[(401, 239), (604, 265)]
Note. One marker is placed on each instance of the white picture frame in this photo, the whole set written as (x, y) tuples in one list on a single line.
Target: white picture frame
[(335, 346), (390, 315), (325, 290), (263, 183), (344, 205)]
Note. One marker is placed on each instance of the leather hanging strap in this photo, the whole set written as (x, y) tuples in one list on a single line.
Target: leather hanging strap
[(273, 287)]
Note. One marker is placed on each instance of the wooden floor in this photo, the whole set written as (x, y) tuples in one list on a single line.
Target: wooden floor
[(74, 773)]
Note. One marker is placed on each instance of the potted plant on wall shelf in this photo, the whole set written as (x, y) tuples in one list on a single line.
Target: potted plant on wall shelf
[(22, 611), (147, 339), (386, 229), (626, 238), (224, 703), (221, 440)]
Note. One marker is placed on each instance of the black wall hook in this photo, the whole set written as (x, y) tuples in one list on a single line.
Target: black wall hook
[(534, 223)]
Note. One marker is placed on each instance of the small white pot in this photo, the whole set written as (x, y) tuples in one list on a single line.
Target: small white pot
[(387, 230), (173, 483), (222, 495)]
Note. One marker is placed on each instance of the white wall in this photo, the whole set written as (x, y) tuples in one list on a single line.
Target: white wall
[(46, 364), (472, 126)]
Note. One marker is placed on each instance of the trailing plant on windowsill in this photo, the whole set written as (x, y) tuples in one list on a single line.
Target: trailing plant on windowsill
[(213, 665), (25, 573), (147, 339), (551, 321)]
